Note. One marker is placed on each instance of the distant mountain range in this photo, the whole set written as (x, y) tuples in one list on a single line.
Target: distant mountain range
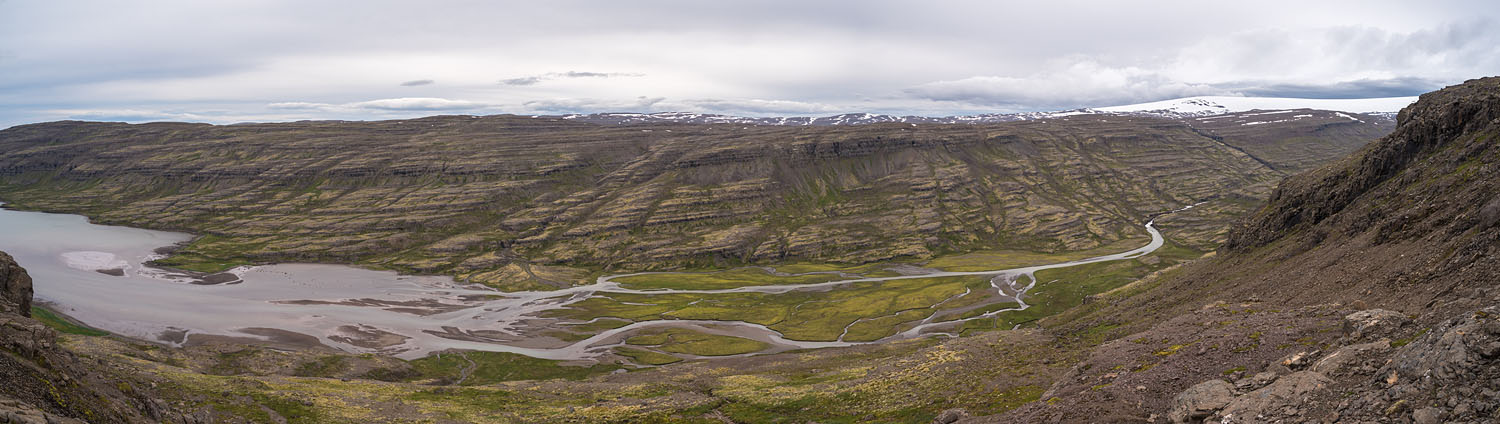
[(1186, 107)]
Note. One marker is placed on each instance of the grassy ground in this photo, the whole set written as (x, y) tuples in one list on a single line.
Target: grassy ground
[(677, 340), (868, 270), (871, 311), (903, 382), (799, 315), (1060, 289), (647, 357), (739, 277), (898, 382), (985, 260), (61, 324), (208, 254), (882, 327), (326, 366), (493, 367)]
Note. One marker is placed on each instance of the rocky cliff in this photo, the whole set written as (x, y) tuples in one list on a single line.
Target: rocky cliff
[(1363, 291), (15, 287), (1447, 130)]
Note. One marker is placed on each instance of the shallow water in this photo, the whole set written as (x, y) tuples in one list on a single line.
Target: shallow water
[(344, 307)]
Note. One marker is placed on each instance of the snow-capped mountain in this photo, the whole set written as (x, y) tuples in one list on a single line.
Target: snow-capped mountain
[(1188, 107), (845, 119), (1218, 105)]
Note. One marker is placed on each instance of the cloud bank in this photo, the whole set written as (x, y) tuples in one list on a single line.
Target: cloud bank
[(277, 59)]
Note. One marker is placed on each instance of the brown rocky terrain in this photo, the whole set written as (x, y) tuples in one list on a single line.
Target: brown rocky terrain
[(15, 287), (520, 202), (1370, 279)]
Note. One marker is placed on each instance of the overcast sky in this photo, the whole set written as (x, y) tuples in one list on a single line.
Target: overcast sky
[(230, 61)]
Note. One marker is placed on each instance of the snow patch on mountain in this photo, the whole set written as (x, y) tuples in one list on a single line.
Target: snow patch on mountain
[(1217, 105), (1190, 107)]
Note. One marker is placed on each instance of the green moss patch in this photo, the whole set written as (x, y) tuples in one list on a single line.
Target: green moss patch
[(63, 325), (741, 277), (647, 357), (677, 340), (493, 367)]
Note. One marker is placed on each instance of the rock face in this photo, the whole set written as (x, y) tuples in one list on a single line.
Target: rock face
[(1282, 399), (16, 412), (1462, 354), (1201, 401), (1356, 358), (1403, 225), (1437, 120), (1373, 323), (1450, 374), (469, 196), (1219, 401), (15, 287), (1406, 226)]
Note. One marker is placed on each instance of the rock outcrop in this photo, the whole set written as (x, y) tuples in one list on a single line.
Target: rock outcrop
[(1438, 120), (15, 287), (1373, 322), (1201, 401), (1279, 400), (1450, 374), (16, 412)]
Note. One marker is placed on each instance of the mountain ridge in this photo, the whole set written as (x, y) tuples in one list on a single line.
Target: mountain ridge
[(561, 193), (1187, 107)]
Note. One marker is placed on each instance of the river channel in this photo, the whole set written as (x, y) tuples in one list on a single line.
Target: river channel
[(96, 275)]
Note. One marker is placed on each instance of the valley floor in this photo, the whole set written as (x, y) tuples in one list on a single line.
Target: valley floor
[(709, 377)]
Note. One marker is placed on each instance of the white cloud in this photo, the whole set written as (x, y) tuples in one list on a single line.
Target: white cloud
[(760, 106), (155, 115), (300, 106), (419, 103), (571, 105), (279, 58), (1338, 61), (132, 115), (403, 104), (1450, 50), (1083, 82), (533, 79)]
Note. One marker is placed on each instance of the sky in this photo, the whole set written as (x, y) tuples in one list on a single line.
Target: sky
[(226, 61)]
